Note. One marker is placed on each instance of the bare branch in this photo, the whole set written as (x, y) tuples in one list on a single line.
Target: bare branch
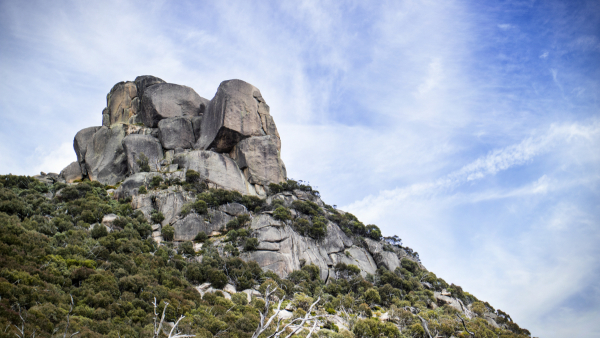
[(177, 333), (424, 322), (162, 319), (465, 325)]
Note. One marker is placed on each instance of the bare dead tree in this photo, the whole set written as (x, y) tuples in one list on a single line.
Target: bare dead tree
[(157, 330), (424, 322), (21, 329), (69, 321), (158, 324), (465, 325), (178, 334), (279, 330)]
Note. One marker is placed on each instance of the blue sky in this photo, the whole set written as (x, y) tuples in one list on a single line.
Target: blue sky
[(470, 129)]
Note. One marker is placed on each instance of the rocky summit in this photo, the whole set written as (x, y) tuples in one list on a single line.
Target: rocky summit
[(178, 220)]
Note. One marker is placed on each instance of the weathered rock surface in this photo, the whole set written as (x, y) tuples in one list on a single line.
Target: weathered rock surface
[(135, 145), (233, 209), (105, 158), (232, 115), (71, 172), (188, 227), (80, 143), (119, 102), (131, 184), (164, 100), (144, 81), (453, 302), (282, 250), (213, 167), (176, 132), (258, 158), (196, 126), (168, 202), (385, 258)]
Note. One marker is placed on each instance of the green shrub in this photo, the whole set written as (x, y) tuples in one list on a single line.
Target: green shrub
[(168, 232), (275, 188), (240, 298), (217, 278), (99, 231), (157, 217), (200, 207), (192, 176), (142, 190), (142, 162), (251, 244), (282, 214), (373, 232), (187, 249), (156, 181), (239, 222), (201, 237), (252, 202)]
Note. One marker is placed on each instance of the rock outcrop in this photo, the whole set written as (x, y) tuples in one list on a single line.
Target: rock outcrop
[(233, 144), (165, 122), (237, 111)]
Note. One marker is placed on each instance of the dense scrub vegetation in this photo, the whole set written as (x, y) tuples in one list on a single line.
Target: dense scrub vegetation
[(61, 272)]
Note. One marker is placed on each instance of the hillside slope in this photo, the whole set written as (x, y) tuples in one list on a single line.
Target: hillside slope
[(178, 220)]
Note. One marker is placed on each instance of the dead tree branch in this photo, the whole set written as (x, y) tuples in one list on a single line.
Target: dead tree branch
[(465, 325)]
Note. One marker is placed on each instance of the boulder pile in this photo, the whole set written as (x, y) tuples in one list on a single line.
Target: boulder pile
[(231, 140)]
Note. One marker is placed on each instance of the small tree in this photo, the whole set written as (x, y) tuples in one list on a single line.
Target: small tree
[(168, 232), (282, 214), (142, 162), (251, 244), (201, 237), (99, 231), (157, 216)]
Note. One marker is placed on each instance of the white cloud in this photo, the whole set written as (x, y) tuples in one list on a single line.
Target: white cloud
[(490, 164)]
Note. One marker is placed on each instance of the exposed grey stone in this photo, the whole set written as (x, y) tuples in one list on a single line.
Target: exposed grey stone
[(385, 258), (164, 100), (232, 115), (229, 289), (136, 119), (71, 172), (491, 319), (215, 168), (135, 145), (287, 199), (105, 118), (80, 143), (197, 126), (259, 159), (144, 81), (451, 301), (357, 256), (105, 158), (176, 132), (282, 250), (131, 184), (108, 221), (233, 209), (188, 227), (168, 202), (118, 102)]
